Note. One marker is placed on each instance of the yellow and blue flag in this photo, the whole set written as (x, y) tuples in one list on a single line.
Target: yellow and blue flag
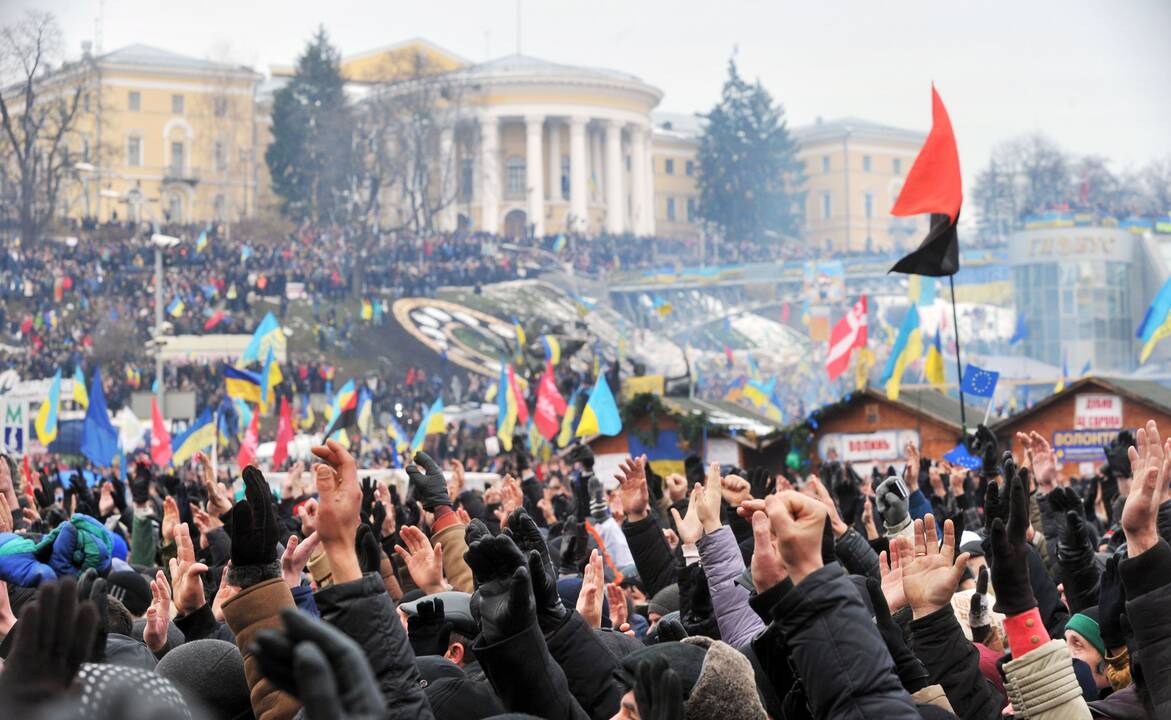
[(552, 349), (365, 414), (506, 410), (46, 422), (1156, 323), (566, 434), (433, 424), (199, 436), (601, 412), (934, 364), (907, 349), (241, 384), (268, 334), (1065, 371), (175, 309), (398, 436), (201, 241), (80, 396), (270, 378)]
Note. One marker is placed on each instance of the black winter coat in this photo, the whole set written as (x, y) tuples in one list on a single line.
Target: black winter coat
[(652, 555), (954, 663)]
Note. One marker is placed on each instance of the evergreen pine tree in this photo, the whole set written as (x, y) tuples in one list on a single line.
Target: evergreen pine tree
[(750, 178), (310, 157)]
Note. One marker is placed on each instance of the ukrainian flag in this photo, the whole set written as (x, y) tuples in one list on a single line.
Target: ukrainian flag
[(175, 309), (398, 436), (566, 434), (201, 435), (201, 242), (506, 412), (46, 422), (80, 394), (241, 384), (764, 398), (601, 412), (365, 410), (907, 349), (268, 334), (271, 377), (308, 417), (433, 423), (552, 349), (934, 363), (1156, 323)]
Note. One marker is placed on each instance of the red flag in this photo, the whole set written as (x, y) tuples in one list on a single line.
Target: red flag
[(933, 186), (785, 312), (550, 405), (849, 333), (215, 319), (248, 444), (522, 407), (160, 439), (284, 434)]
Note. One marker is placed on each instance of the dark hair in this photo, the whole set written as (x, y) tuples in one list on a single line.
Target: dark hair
[(118, 619)]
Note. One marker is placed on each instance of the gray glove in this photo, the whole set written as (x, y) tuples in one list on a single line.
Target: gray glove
[(892, 507)]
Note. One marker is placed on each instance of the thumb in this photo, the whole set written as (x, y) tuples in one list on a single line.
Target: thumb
[(761, 531), (675, 515), (439, 554)]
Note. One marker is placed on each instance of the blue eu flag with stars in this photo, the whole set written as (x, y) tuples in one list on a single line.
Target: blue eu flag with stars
[(979, 382)]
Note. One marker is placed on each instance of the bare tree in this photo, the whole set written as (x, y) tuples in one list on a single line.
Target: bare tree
[(39, 108), (404, 127)]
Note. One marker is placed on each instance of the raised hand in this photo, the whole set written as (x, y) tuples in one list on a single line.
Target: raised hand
[(5, 513), (339, 504), (154, 633), (106, 504), (979, 611), (911, 469), (676, 487), (1043, 462), (589, 600), (186, 574), (817, 491), (307, 514), (225, 592), (218, 500), (170, 516), (255, 530), (430, 485), (297, 553), (506, 604), (457, 482), (891, 571), (689, 526), (768, 569), (54, 637), (798, 522), (428, 629), (320, 666), (617, 601), (893, 507), (930, 572), (708, 503), (1150, 461), (424, 563), (632, 488), (1010, 552)]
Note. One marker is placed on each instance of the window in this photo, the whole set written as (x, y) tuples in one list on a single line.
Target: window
[(220, 155), (85, 102), (825, 163), (826, 208), (177, 158), (669, 166), (85, 149), (176, 104), (898, 166), (865, 163), (134, 151), (690, 209), (564, 177), (467, 179), (515, 176), (134, 101), (690, 168), (174, 208), (869, 204), (671, 209), (221, 106)]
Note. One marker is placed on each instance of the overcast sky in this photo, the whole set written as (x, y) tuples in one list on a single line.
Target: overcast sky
[(1093, 74)]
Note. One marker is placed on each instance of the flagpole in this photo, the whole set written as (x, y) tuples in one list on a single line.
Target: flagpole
[(959, 368)]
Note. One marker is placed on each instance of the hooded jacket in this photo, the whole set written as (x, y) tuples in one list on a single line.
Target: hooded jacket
[(723, 564)]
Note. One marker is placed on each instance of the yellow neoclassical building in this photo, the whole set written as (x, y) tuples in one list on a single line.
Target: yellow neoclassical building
[(163, 136), (537, 146)]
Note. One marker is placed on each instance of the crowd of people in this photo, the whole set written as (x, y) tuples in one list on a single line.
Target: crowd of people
[(1010, 590)]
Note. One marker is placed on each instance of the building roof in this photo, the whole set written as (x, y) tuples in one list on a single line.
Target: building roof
[(518, 68), (928, 402), (827, 130), (1145, 392), (155, 58), (726, 415)]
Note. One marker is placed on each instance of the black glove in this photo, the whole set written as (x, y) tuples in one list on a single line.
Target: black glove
[(551, 613), (979, 614), (984, 446), (575, 550), (1117, 454), (320, 666), (667, 629), (373, 513), (760, 482), (911, 672), (54, 636), (1010, 553), (1111, 605), (429, 484), (81, 492), (94, 589), (845, 491), (658, 691), (140, 484), (428, 629), (254, 529), (46, 498), (475, 530), (368, 550), (503, 600), (695, 603), (693, 470), (584, 455)]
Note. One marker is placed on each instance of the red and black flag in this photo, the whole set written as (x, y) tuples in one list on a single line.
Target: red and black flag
[(933, 186)]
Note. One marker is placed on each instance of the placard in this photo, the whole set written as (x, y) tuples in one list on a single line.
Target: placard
[(1094, 411), (16, 424)]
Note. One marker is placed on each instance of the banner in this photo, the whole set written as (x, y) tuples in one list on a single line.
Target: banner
[(1079, 445), (15, 415), (638, 384), (1097, 412), (866, 447)]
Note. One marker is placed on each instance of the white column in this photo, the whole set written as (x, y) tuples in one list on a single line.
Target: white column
[(649, 180), (489, 174), (638, 181), (554, 161), (578, 207), (447, 180), (535, 172), (596, 164), (615, 198)]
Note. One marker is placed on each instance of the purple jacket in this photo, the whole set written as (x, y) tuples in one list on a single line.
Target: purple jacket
[(723, 564)]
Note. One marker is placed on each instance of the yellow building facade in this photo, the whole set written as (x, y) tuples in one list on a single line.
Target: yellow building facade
[(164, 137)]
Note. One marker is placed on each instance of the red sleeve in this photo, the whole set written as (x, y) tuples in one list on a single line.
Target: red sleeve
[(1025, 632)]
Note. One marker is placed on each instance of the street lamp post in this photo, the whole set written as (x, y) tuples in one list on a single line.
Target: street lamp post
[(160, 242)]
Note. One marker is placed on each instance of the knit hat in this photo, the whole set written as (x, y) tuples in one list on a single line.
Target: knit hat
[(462, 699), (970, 542), (1085, 624), (212, 673), (433, 668), (113, 690), (685, 659), (664, 601), (132, 589)]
